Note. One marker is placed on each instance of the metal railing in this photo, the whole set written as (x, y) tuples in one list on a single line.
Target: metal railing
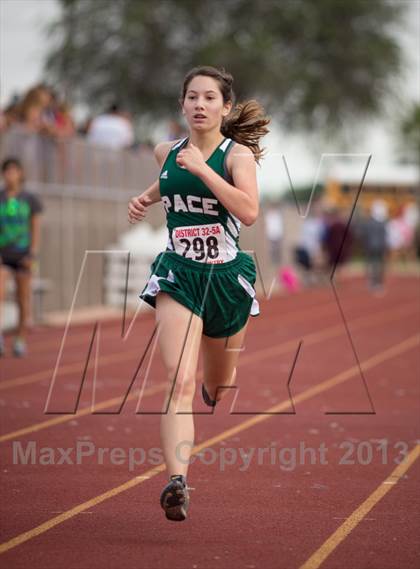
[(85, 190)]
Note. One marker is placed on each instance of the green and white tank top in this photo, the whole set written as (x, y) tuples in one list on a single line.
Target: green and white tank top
[(200, 227)]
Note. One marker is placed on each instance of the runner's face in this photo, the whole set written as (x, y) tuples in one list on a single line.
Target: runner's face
[(204, 97)]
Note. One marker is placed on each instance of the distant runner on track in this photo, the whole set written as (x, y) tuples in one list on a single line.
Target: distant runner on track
[(202, 285)]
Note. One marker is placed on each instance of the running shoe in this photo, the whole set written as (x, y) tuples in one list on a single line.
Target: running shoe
[(206, 397), (19, 347), (175, 498)]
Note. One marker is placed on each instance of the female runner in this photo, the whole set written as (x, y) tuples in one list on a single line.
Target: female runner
[(202, 285)]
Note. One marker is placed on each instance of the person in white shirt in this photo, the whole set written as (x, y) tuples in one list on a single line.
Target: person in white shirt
[(111, 130), (308, 250), (274, 232)]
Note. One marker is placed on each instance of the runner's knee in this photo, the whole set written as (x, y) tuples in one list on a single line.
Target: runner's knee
[(181, 383)]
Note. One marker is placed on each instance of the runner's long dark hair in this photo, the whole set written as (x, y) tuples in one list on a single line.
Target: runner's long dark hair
[(247, 122)]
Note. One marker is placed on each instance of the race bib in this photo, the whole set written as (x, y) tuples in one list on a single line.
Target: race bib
[(203, 243)]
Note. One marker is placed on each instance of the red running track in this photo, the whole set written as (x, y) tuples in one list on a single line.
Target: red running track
[(328, 478)]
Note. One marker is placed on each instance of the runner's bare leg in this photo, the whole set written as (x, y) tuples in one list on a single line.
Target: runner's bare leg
[(179, 335)]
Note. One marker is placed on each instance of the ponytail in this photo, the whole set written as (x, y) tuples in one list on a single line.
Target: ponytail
[(246, 124)]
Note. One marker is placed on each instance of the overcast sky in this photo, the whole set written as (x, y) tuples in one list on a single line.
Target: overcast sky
[(23, 46)]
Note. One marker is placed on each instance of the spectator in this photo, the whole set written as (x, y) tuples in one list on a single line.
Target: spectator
[(337, 241), (309, 249), (10, 114), (400, 236), (417, 240), (3, 121), (19, 244), (30, 112), (274, 232), (39, 112), (36, 111), (47, 100), (64, 123), (111, 129), (374, 243)]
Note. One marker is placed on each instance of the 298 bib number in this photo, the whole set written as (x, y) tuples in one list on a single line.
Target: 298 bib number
[(203, 243)]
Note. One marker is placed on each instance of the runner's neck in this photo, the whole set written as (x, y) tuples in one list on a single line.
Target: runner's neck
[(207, 144)]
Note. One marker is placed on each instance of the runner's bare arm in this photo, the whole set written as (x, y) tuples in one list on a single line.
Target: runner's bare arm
[(138, 205), (241, 198), (152, 193), (160, 151)]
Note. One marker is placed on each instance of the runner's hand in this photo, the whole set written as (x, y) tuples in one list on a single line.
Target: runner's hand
[(191, 159), (137, 208)]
